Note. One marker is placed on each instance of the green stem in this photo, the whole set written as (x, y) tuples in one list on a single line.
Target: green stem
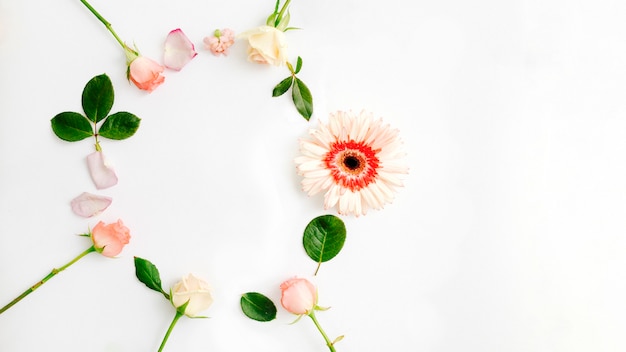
[(319, 327), (169, 330), (105, 22), (282, 10), (48, 277)]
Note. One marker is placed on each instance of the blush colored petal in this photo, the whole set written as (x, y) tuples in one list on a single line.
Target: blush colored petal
[(102, 174), (179, 50), (88, 205)]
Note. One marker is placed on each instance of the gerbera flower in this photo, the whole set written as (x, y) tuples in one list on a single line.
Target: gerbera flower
[(357, 160)]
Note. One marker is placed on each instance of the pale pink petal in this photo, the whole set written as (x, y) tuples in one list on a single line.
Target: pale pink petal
[(88, 205), (179, 50), (103, 175)]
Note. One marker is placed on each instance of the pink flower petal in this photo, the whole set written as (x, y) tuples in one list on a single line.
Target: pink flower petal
[(102, 174), (179, 50), (88, 205)]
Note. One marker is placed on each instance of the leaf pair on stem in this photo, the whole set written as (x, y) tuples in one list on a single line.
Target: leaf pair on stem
[(300, 93)]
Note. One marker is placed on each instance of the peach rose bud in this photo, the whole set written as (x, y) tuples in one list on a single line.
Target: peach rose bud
[(110, 239), (298, 296), (193, 290), (88, 205), (102, 174), (145, 73), (179, 50)]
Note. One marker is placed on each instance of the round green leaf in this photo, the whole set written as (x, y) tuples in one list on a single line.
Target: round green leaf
[(120, 125), (258, 307), (71, 126), (302, 98), (324, 237), (98, 98)]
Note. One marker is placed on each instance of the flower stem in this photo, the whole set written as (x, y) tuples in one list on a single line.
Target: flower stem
[(169, 330), (46, 278), (105, 22), (319, 327), (282, 10)]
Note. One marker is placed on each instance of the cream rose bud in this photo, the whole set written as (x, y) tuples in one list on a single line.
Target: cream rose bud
[(266, 45), (193, 290)]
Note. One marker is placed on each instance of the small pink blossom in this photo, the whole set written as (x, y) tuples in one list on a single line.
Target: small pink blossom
[(179, 50), (110, 239), (88, 205), (298, 296), (102, 174), (219, 43)]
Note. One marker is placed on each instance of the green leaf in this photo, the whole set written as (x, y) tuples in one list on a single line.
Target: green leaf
[(98, 98), (71, 126), (302, 98), (298, 65), (148, 273), (271, 20), (283, 22), (282, 87), (323, 238), (120, 125), (258, 307)]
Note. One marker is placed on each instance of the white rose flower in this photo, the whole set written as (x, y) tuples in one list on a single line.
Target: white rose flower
[(193, 290), (266, 45)]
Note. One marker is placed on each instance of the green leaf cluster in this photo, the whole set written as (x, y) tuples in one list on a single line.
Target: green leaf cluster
[(324, 238), (258, 307), (300, 93), (97, 101)]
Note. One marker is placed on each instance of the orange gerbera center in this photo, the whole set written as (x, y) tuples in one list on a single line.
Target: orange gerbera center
[(352, 165)]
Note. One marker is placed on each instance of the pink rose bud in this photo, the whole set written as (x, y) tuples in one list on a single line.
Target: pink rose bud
[(179, 50), (101, 173), (110, 239), (88, 205), (298, 296), (145, 73)]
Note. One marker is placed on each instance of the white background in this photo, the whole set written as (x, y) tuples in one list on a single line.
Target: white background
[(508, 234)]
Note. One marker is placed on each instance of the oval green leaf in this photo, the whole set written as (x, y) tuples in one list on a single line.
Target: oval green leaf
[(323, 238), (302, 98), (148, 273), (298, 65), (258, 307), (120, 125), (98, 98), (71, 126), (282, 87)]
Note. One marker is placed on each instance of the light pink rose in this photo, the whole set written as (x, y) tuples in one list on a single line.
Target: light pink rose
[(110, 239), (88, 205), (219, 43), (266, 45), (298, 296), (179, 50), (102, 174), (193, 290), (145, 73)]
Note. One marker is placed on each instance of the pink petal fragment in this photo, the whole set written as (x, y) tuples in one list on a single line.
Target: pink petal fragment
[(102, 174), (88, 205), (179, 50)]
